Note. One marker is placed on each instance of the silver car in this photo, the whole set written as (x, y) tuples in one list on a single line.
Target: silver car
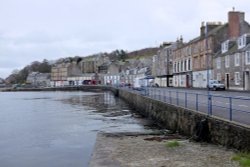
[(216, 85)]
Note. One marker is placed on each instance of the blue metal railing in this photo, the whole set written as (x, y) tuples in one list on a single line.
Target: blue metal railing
[(228, 107)]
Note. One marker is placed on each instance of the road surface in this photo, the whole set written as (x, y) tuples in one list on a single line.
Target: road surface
[(229, 105)]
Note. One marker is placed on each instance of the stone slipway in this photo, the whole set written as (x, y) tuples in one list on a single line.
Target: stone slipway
[(135, 151)]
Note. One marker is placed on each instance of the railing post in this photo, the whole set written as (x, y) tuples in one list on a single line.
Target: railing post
[(208, 104), (197, 102), (211, 105), (177, 98), (159, 94), (185, 99), (154, 93), (230, 109), (165, 98), (170, 98)]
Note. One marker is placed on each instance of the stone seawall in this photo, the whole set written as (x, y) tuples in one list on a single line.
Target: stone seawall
[(184, 121), (65, 88), (82, 88)]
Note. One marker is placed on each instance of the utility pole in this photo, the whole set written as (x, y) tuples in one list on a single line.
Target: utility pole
[(209, 100)]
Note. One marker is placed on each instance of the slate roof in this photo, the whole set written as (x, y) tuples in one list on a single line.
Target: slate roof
[(214, 31), (233, 49)]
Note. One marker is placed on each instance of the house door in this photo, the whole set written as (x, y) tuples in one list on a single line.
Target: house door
[(199, 80), (170, 82), (187, 81), (227, 81), (246, 78)]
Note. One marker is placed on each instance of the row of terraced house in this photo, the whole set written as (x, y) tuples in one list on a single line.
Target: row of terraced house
[(220, 52), (99, 70)]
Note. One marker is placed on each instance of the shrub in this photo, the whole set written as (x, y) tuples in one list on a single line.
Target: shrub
[(172, 143)]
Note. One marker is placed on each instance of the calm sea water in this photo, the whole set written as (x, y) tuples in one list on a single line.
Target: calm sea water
[(58, 129)]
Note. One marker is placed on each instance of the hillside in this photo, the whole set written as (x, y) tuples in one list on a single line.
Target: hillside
[(134, 59), (142, 53)]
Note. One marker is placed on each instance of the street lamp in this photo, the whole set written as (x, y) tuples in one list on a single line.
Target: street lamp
[(209, 100)]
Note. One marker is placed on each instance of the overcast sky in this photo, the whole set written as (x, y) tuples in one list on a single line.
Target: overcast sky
[(50, 29)]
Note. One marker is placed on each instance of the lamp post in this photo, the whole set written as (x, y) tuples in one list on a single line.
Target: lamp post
[(209, 100)]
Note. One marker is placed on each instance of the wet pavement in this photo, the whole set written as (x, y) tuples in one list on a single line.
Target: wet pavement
[(58, 129)]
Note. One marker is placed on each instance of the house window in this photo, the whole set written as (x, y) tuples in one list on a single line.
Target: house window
[(176, 70), (189, 51), (181, 65), (218, 62), (237, 59), (227, 61), (189, 64), (176, 67), (224, 46), (219, 77), (247, 57), (237, 78), (241, 41), (185, 65)]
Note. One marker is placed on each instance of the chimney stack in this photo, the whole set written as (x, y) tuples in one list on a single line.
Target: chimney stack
[(202, 29), (235, 20), (208, 27), (181, 39)]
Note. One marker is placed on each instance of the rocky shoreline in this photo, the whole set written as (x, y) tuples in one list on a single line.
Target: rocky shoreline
[(142, 150)]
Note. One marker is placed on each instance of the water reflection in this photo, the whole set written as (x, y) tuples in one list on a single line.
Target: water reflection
[(58, 129), (104, 103)]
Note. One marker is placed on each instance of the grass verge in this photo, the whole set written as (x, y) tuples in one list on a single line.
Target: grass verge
[(172, 143), (242, 158)]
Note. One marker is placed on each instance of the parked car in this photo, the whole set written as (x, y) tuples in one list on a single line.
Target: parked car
[(216, 85)]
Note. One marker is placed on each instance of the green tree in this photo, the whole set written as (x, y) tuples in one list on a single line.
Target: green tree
[(44, 67)]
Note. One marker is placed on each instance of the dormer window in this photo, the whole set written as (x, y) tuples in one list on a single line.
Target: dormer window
[(224, 46), (242, 41), (247, 57)]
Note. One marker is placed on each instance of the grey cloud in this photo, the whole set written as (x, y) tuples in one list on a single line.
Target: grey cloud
[(33, 30)]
